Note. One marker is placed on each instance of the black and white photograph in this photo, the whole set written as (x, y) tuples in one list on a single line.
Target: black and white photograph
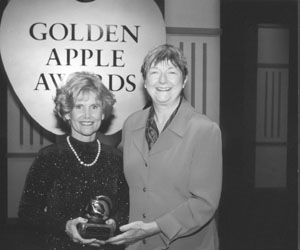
[(149, 125)]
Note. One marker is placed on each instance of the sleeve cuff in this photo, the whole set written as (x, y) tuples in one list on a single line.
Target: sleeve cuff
[(169, 228)]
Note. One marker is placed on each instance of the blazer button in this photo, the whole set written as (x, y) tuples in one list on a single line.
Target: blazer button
[(144, 189), (146, 165), (144, 215)]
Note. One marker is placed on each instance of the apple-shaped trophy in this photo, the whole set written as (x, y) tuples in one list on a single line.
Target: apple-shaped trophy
[(97, 212)]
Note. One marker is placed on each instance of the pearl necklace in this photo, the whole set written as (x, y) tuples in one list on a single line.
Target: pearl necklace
[(78, 158)]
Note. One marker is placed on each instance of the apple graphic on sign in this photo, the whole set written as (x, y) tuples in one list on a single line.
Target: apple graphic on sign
[(43, 41)]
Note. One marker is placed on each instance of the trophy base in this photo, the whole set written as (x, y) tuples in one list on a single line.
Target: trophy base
[(95, 231)]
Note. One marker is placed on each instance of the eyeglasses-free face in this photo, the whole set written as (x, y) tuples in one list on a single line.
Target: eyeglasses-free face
[(86, 117), (164, 83)]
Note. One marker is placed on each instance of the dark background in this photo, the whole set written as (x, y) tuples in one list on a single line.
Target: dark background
[(254, 218)]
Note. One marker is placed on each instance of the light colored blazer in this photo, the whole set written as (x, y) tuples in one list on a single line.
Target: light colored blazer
[(178, 183)]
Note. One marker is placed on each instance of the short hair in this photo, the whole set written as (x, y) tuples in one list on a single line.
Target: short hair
[(165, 52), (78, 83)]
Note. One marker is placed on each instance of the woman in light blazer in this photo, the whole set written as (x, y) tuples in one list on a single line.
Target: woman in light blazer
[(172, 163)]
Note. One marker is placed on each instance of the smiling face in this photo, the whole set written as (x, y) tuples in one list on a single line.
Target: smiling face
[(85, 117), (164, 83)]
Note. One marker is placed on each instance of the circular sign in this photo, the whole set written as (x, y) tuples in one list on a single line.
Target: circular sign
[(43, 41)]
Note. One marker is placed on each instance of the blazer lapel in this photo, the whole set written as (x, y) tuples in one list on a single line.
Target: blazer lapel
[(140, 142), (169, 138), (165, 141), (175, 131), (139, 134)]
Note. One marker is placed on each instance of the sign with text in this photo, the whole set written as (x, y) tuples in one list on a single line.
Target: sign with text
[(43, 41)]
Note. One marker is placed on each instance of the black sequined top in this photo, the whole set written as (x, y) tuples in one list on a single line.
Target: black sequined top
[(58, 188)]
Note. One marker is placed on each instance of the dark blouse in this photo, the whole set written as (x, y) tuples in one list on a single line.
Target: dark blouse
[(58, 188)]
